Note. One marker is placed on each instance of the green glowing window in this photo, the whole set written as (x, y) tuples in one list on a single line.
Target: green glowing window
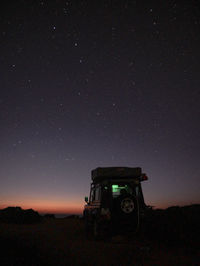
[(116, 188)]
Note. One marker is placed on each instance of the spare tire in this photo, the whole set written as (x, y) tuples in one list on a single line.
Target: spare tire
[(127, 205)]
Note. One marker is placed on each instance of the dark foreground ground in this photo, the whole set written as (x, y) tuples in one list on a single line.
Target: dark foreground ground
[(63, 242)]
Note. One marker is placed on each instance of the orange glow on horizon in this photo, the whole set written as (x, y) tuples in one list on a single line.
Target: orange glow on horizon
[(59, 206), (46, 206)]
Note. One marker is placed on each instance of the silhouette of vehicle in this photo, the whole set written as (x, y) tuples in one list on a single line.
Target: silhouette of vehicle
[(116, 203)]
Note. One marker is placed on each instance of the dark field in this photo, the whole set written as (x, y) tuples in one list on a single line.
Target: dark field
[(63, 242)]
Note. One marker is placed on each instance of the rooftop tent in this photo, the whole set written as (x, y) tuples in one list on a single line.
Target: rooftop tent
[(101, 173)]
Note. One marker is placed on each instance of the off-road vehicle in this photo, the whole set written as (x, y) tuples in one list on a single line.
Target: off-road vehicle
[(116, 202)]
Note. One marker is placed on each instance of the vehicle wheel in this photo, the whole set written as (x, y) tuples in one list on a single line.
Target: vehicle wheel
[(96, 230), (87, 230), (101, 232), (87, 227)]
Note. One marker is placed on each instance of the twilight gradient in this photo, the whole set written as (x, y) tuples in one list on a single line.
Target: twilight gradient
[(84, 84)]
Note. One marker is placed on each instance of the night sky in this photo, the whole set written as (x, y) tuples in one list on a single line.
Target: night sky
[(85, 84)]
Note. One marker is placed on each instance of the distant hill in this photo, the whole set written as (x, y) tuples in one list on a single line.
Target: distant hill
[(19, 216), (174, 224)]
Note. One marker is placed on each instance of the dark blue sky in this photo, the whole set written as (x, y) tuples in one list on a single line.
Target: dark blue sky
[(98, 83)]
